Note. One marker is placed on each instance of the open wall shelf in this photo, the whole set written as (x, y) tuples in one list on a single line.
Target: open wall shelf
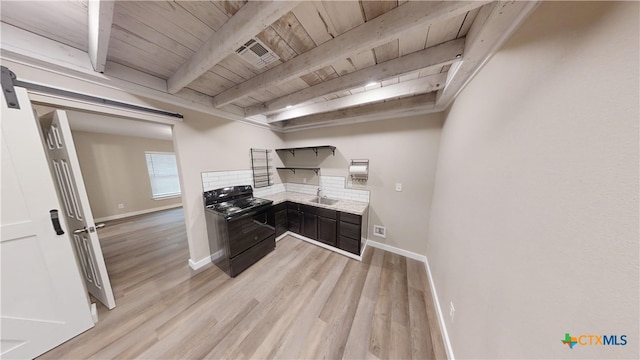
[(314, 148), (316, 170)]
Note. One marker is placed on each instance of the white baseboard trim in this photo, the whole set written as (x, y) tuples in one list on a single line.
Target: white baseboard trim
[(323, 245), (436, 302), (134, 213), (434, 293), (195, 265), (282, 236), (396, 250)]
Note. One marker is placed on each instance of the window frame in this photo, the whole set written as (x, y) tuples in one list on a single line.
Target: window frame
[(165, 195)]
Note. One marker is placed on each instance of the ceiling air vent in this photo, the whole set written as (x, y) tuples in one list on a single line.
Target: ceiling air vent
[(257, 53)]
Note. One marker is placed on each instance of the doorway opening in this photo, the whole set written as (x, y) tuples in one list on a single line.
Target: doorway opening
[(121, 192)]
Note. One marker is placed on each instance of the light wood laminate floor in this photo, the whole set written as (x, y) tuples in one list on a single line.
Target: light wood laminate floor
[(300, 301)]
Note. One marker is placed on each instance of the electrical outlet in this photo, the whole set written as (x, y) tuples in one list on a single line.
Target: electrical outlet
[(120, 206), (452, 311), (398, 186), (380, 231)]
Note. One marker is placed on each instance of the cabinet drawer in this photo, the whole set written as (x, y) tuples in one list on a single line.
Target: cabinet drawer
[(349, 230), (241, 262), (293, 206), (350, 245), (350, 218), (331, 214)]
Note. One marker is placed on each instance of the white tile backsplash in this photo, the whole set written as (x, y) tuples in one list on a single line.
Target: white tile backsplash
[(269, 190), (219, 179), (332, 186)]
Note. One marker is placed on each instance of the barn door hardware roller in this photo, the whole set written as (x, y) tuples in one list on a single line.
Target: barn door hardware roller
[(8, 82)]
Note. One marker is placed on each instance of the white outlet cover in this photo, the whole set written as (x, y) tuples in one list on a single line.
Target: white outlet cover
[(380, 231), (398, 186)]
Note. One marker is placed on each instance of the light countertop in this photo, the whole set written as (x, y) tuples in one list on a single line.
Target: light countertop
[(348, 206)]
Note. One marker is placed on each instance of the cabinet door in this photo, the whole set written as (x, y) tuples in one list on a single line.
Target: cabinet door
[(293, 219), (327, 230), (310, 225), (281, 222)]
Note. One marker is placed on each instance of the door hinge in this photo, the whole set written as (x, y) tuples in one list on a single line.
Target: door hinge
[(7, 80)]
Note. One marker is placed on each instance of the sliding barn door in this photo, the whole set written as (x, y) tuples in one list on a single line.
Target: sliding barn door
[(75, 202), (42, 302)]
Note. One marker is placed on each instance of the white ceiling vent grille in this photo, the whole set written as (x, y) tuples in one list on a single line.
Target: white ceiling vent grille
[(257, 53)]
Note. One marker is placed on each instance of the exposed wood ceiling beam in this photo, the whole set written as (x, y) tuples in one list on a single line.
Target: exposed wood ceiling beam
[(422, 85), (419, 104), (249, 21), (100, 18), (376, 32), (50, 63), (435, 56), (493, 26)]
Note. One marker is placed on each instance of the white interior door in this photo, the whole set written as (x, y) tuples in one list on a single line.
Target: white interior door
[(43, 300), (65, 168)]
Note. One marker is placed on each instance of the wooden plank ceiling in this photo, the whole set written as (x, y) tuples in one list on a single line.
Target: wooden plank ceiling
[(366, 51)]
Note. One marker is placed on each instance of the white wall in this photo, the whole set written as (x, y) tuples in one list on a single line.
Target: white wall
[(401, 150), (114, 169), (534, 222), (202, 142), (206, 143)]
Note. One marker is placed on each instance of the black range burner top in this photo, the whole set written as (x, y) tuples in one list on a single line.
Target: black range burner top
[(233, 200)]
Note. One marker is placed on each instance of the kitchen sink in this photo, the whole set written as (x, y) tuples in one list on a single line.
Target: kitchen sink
[(324, 201)]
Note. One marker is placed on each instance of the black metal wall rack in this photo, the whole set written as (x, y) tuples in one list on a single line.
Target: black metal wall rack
[(314, 148), (293, 169)]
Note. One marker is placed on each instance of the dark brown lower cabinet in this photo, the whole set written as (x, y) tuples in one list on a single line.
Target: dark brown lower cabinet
[(350, 230), (278, 218), (335, 228), (309, 225), (293, 217), (327, 231)]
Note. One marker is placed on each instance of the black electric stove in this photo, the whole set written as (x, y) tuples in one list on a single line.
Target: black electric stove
[(233, 201), (237, 228)]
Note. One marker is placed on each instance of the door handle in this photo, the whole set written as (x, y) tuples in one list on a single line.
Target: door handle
[(56, 222), (80, 231), (90, 229)]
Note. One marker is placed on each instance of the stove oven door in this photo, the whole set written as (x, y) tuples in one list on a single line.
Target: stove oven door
[(249, 229)]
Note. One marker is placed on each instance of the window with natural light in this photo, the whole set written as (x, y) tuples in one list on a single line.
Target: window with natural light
[(163, 174)]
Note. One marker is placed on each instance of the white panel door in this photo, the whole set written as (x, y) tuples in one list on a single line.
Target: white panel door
[(65, 168), (43, 300)]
